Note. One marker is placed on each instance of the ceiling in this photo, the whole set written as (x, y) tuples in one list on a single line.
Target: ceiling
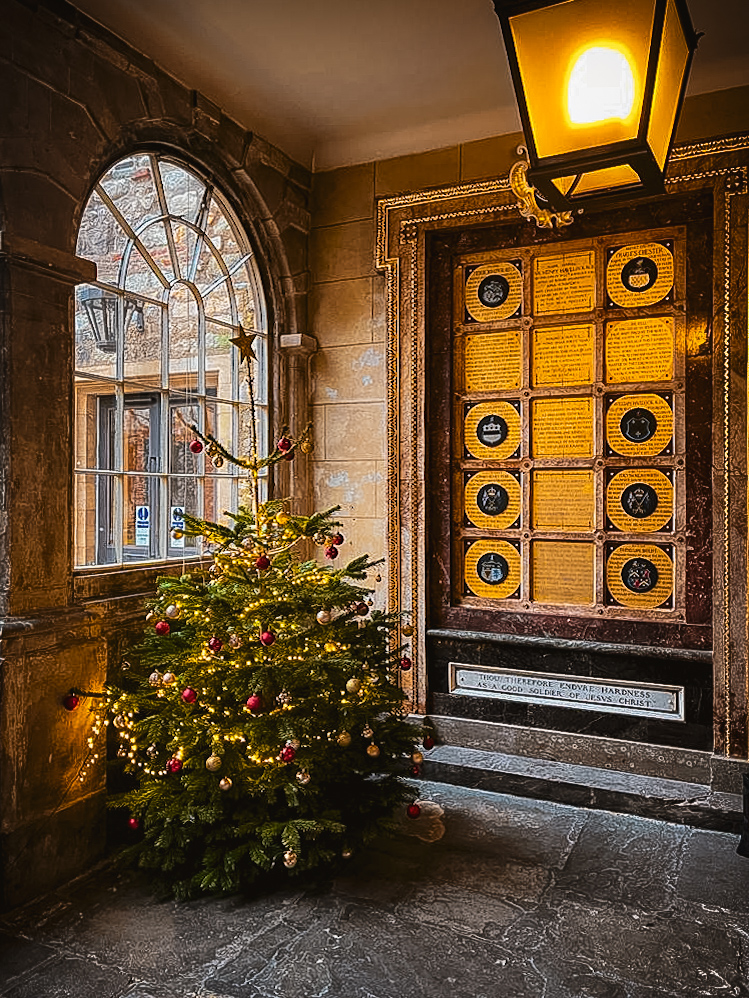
[(335, 82)]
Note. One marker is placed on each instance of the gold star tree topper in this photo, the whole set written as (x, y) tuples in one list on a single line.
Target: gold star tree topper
[(243, 343)]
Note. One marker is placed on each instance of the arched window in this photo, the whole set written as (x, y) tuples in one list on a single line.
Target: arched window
[(176, 280)]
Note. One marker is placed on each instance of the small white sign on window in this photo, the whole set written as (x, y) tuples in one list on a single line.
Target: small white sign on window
[(178, 523), (142, 526)]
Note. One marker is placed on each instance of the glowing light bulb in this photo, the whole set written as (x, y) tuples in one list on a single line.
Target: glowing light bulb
[(601, 86)]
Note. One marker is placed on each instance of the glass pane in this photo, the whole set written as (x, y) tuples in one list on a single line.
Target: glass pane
[(220, 419), (217, 303), (209, 268), (95, 331), (245, 295), (220, 496), (140, 435), (185, 243), (101, 239), (260, 369), (140, 518), (143, 343), (95, 505), (183, 190), (183, 338), (141, 278), (182, 460), (183, 498), (219, 360), (220, 232), (245, 429), (154, 239), (87, 396), (131, 187)]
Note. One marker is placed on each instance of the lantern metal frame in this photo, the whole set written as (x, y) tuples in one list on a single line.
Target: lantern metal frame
[(635, 153)]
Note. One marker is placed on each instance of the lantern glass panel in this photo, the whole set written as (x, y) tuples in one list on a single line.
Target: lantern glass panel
[(550, 42), (672, 66)]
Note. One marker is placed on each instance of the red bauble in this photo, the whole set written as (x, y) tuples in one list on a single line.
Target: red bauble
[(362, 609), (189, 695), (71, 701), (162, 628), (255, 702), (284, 444), (405, 663), (215, 644), (337, 539), (413, 810), (267, 638), (262, 563), (287, 754), (428, 742), (331, 552), (196, 446), (415, 770), (133, 824), (173, 765), (289, 456)]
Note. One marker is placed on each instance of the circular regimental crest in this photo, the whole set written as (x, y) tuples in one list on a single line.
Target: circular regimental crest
[(492, 430), (639, 425), (494, 291), (640, 575), (640, 275), (640, 500), (492, 569), (492, 499)]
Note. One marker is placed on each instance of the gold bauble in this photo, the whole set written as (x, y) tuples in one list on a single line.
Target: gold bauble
[(353, 685), (224, 784), (417, 758), (344, 739), (373, 750), (213, 762), (290, 859)]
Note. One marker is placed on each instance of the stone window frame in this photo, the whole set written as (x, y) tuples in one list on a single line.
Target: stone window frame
[(167, 390)]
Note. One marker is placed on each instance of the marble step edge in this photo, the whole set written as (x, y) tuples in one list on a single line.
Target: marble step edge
[(612, 754), (584, 786)]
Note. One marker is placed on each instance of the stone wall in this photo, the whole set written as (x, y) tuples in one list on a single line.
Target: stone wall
[(75, 99)]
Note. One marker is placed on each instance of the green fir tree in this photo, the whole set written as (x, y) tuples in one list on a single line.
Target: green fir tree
[(263, 723)]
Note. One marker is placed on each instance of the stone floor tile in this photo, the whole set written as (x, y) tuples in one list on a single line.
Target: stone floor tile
[(70, 977), (622, 858), (712, 874), (17, 956)]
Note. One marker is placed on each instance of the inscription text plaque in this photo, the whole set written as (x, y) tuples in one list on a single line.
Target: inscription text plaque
[(553, 690)]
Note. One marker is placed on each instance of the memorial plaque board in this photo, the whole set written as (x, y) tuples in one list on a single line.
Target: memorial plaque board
[(562, 427), (492, 569), (581, 693), (639, 425), (640, 575), (563, 572), (494, 291), (492, 361), (640, 274), (563, 284), (563, 355), (492, 500), (640, 500), (492, 430), (640, 350), (563, 500)]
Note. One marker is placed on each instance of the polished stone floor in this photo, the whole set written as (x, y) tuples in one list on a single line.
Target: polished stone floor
[(518, 899)]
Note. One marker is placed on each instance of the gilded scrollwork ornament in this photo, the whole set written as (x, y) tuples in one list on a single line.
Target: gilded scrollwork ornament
[(530, 202)]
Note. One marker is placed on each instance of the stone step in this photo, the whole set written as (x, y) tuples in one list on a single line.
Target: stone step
[(675, 801)]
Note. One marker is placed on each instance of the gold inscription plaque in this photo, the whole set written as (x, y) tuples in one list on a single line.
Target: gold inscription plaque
[(492, 361), (640, 500), (494, 292), (640, 350), (641, 274), (562, 427), (492, 500), (564, 283), (562, 572), (492, 569), (640, 575), (563, 355), (563, 500), (492, 430), (639, 425)]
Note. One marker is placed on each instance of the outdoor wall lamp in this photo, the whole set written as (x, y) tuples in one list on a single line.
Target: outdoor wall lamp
[(101, 311), (599, 84)]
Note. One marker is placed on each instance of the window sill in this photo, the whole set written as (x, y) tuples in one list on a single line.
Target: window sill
[(105, 582)]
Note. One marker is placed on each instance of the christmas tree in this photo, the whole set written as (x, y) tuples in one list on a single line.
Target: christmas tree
[(263, 722)]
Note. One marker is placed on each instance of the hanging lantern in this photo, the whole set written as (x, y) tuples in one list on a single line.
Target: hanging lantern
[(599, 84)]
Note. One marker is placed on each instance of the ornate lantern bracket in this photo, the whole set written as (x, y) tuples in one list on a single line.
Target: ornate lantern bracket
[(531, 204)]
